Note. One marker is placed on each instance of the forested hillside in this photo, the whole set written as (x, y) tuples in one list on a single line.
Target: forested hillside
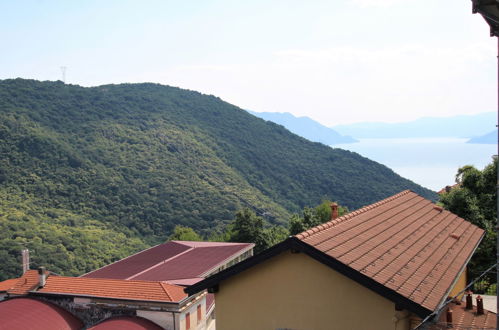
[(88, 175)]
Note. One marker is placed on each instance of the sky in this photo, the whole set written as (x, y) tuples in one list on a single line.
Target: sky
[(335, 61)]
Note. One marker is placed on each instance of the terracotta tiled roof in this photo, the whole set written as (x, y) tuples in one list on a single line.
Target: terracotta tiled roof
[(171, 261), (8, 284), (465, 319), (111, 288), (32, 314), (446, 189), (405, 242), (126, 323), (25, 284)]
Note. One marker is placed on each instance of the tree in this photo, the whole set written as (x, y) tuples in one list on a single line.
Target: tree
[(312, 217), (247, 227), (474, 199), (181, 233)]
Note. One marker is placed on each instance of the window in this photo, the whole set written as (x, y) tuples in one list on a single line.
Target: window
[(199, 313), (187, 321)]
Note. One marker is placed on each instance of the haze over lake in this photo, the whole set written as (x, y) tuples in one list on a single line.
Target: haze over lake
[(430, 162)]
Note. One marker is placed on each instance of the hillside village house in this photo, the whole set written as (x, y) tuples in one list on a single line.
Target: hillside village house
[(179, 262), (143, 291), (386, 266), (39, 300)]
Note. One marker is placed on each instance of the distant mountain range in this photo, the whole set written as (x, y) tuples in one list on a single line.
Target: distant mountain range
[(464, 126), (305, 127), (489, 138)]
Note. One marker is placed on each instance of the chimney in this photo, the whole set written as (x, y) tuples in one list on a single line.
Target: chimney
[(469, 301), (42, 277), (334, 211), (479, 305), (25, 257), (449, 318)]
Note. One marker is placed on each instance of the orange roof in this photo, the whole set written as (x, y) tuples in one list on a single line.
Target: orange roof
[(25, 284), (7, 284), (465, 319), (446, 189), (115, 289), (405, 243)]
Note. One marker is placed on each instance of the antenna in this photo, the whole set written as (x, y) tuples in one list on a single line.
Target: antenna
[(63, 70), (25, 254)]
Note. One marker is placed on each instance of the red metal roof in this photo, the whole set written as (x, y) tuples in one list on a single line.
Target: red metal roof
[(174, 260), (32, 314), (138, 262), (126, 323), (405, 242), (114, 289)]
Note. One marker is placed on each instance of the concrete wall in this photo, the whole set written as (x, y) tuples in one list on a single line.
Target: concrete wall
[(192, 310), (163, 319), (294, 291)]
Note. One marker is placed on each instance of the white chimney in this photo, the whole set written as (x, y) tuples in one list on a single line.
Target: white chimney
[(42, 277), (25, 255)]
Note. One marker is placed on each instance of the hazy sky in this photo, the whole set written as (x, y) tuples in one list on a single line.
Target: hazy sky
[(336, 61)]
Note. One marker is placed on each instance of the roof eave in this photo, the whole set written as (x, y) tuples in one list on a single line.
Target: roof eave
[(443, 301), (104, 297), (223, 262), (296, 244), (238, 268)]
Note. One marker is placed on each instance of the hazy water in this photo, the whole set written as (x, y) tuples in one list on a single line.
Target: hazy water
[(430, 162)]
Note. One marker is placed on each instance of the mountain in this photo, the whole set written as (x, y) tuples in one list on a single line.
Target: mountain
[(90, 175), (489, 138), (305, 127), (463, 126)]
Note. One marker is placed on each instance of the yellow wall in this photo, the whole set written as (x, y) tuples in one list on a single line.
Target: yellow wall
[(294, 291), (459, 286)]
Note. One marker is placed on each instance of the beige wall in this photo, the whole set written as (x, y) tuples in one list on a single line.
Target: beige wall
[(459, 286), (294, 291)]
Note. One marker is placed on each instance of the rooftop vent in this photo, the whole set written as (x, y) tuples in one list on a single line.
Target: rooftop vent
[(469, 301), (479, 305), (42, 277)]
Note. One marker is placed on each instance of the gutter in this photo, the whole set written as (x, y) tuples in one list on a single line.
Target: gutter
[(444, 301)]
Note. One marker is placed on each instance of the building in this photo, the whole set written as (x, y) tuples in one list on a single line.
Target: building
[(96, 302), (5, 286), (178, 262), (388, 265), (145, 289)]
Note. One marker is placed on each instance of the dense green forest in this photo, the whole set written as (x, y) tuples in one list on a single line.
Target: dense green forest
[(88, 175)]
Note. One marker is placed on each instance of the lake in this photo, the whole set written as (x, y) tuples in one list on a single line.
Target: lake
[(430, 162)]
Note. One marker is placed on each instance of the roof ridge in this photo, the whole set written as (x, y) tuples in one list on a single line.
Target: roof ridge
[(160, 263), (112, 263), (348, 216), (111, 279), (165, 290)]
